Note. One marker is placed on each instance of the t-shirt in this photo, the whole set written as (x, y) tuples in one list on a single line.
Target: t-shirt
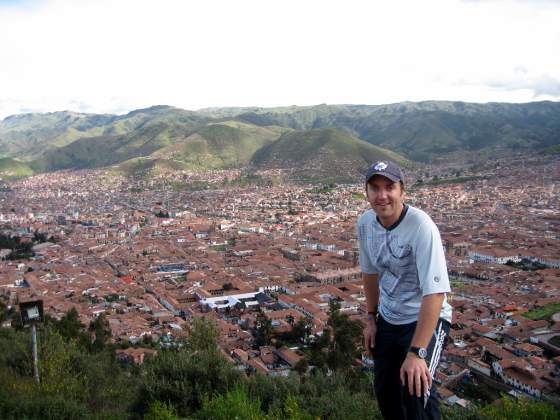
[(410, 261)]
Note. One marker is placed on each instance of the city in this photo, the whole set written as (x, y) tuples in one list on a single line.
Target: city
[(154, 253)]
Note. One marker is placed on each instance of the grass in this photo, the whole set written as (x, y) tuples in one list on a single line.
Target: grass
[(324, 189), (358, 196), (191, 186), (12, 169), (543, 313), (456, 285)]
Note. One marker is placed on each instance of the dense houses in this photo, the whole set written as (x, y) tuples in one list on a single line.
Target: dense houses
[(151, 256)]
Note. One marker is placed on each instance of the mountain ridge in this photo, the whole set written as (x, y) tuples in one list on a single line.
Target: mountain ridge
[(425, 131)]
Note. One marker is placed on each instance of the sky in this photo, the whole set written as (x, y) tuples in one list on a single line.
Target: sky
[(115, 56)]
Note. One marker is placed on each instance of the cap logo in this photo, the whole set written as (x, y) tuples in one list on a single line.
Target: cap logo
[(381, 166)]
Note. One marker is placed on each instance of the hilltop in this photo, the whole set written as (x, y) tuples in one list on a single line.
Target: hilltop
[(323, 153), (214, 138)]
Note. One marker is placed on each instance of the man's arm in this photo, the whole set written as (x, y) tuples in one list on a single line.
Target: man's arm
[(414, 368), (371, 290)]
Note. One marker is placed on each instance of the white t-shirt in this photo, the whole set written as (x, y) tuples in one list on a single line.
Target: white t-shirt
[(410, 261)]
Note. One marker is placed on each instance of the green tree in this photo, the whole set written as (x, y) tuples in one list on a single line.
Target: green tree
[(346, 338), (183, 378), (263, 330), (203, 335), (101, 331), (70, 325)]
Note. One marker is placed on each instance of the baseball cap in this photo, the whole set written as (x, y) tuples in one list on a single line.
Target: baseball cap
[(387, 169)]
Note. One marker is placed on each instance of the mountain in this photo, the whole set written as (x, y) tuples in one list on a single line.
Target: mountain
[(216, 145), (429, 130), (28, 136), (221, 145), (228, 137), (323, 154)]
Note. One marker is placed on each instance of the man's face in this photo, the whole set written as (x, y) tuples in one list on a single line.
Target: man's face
[(386, 199)]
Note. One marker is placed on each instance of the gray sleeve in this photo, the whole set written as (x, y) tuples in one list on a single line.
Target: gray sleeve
[(365, 261), (430, 260)]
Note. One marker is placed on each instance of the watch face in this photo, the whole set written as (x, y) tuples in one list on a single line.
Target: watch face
[(422, 353)]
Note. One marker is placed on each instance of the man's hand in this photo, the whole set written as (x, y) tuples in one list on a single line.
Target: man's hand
[(416, 371), (369, 335)]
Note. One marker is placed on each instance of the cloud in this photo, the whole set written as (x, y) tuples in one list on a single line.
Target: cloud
[(542, 85), (114, 56)]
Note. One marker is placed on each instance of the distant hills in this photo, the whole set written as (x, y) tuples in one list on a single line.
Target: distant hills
[(425, 131), (288, 137), (322, 153)]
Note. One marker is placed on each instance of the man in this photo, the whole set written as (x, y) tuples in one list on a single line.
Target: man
[(405, 281)]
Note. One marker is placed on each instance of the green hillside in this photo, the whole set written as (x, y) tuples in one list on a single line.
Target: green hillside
[(224, 145), (28, 136), (323, 154), (12, 169), (429, 130), (148, 166), (109, 150), (228, 137)]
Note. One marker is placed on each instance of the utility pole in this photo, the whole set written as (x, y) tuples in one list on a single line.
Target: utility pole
[(35, 357), (31, 315)]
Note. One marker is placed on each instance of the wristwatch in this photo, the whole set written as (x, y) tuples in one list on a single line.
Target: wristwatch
[(421, 352), (372, 316)]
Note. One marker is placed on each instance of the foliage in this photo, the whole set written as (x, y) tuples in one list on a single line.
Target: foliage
[(101, 333), (521, 410), (195, 381), (20, 250), (544, 312), (347, 338), (160, 411), (263, 330), (203, 335), (527, 265), (74, 383), (234, 405), (183, 378)]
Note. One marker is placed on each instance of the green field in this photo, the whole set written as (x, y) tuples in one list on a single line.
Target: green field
[(543, 313), (456, 285)]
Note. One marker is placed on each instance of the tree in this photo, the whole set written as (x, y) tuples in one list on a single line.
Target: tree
[(101, 333), (302, 329), (347, 337), (290, 319), (203, 335), (70, 325), (183, 378), (263, 330)]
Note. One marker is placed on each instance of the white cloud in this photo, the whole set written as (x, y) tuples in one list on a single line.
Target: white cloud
[(113, 56)]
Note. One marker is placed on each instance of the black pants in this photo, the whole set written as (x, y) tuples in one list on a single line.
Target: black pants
[(391, 346)]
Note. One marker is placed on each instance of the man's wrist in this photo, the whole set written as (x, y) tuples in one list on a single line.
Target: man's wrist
[(372, 316)]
